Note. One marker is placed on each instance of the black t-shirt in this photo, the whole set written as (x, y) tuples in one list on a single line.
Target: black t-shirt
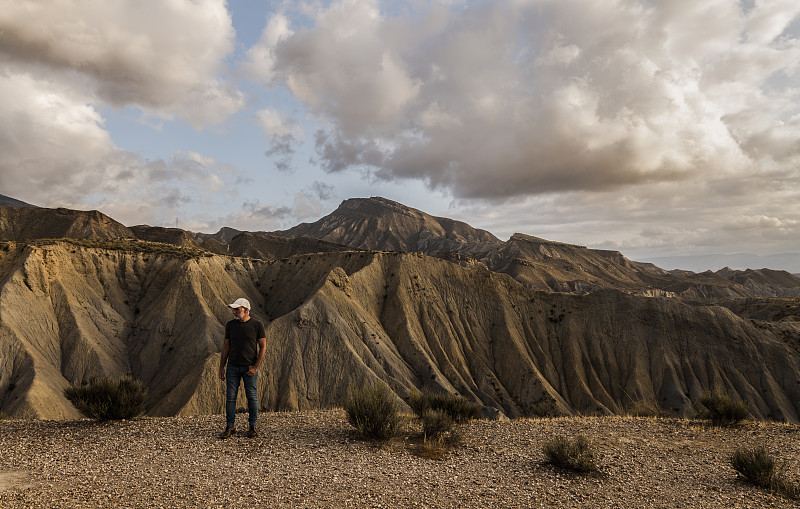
[(244, 338)]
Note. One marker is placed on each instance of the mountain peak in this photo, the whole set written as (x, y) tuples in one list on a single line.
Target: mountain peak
[(377, 205), (380, 224)]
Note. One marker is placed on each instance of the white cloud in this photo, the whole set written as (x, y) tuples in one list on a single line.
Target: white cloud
[(506, 98), (274, 125), (761, 223), (260, 58), (269, 120), (305, 206), (161, 56), (257, 216), (54, 151), (52, 140), (64, 62), (341, 67), (136, 191)]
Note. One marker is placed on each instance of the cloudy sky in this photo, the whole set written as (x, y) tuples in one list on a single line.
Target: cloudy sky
[(655, 127)]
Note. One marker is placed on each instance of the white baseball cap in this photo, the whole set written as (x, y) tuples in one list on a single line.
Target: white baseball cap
[(240, 303)]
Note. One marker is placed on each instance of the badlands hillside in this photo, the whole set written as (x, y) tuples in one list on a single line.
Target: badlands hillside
[(578, 331)]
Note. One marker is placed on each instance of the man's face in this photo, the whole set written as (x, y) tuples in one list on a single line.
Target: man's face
[(240, 313)]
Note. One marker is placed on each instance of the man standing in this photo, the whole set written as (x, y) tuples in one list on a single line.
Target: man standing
[(243, 350)]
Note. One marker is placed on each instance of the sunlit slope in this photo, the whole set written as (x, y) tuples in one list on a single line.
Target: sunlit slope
[(68, 313)]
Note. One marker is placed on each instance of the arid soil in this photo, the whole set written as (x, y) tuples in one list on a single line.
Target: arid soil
[(314, 459)]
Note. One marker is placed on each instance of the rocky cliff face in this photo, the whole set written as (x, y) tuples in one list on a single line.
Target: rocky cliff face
[(224, 235), (28, 223), (413, 321), (174, 236)]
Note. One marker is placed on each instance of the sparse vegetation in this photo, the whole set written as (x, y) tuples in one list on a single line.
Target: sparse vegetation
[(457, 407), (436, 423), (373, 411), (721, 409), (759, 467), (572, 454), (108, 398), (133, 245), (435, 447)]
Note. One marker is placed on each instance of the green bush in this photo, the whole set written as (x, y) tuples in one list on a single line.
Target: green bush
[(720, 408), (372, 410), (108, 398), (576, 454), (436, 423), (459, 408), (758, 467)]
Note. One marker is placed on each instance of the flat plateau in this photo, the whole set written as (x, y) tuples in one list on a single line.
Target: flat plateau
[(314, 459)]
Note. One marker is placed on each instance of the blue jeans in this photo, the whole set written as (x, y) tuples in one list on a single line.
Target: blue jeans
[(233, 375)]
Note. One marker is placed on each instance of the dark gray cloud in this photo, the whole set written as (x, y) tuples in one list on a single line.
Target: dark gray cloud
[(282, 148), (322, 190), (267, 212)]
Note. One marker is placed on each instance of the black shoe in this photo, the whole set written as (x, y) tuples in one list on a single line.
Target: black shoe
[(227, 433), (252, 432)]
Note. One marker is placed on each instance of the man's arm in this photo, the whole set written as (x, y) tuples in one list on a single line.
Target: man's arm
[(223, 358), (262, 349)]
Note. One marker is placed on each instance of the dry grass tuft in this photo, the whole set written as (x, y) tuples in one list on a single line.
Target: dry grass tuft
[(108, 398), (721, 409), (576, 454), (759, 467), (373, 411)]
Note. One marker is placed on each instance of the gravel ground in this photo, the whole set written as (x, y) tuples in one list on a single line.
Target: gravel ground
[(313, 459)]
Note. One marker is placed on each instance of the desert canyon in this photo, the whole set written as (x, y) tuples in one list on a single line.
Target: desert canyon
[(380, 291)]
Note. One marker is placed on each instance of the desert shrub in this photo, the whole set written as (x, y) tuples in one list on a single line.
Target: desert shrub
[(576, 454), (372, 410), (758, 467), (720, 408), (108, 398), (436, 423), (544, 407), (459, 408)]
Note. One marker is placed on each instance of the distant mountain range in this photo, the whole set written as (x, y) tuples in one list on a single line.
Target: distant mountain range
[(699, 263), (446, 236), (378, 224)]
